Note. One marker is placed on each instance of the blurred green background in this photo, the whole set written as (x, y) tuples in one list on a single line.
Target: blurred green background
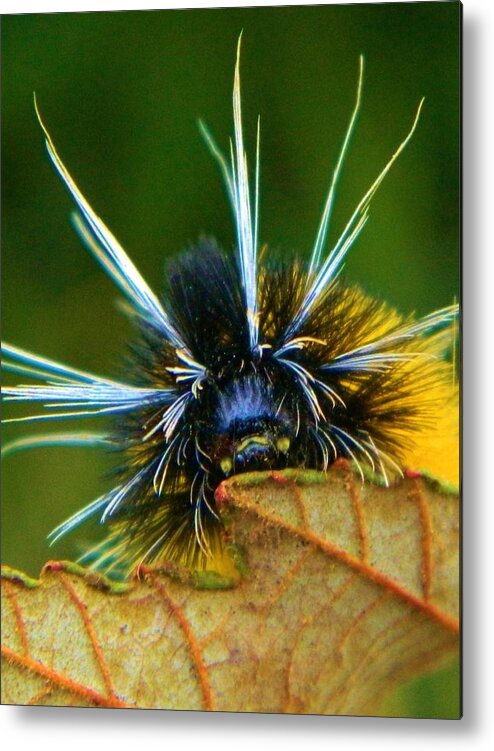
[(121, 94)]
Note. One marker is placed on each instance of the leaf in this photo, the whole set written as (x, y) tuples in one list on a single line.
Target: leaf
[(346, 591)]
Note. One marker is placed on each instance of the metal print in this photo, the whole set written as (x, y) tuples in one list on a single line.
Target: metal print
[(280, 442)]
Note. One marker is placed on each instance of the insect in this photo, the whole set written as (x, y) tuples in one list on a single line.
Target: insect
[(242, 364)]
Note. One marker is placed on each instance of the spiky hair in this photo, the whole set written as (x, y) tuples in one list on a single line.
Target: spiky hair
[(315, 369)]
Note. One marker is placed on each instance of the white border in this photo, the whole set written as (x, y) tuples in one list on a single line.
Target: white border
[(47, 729)]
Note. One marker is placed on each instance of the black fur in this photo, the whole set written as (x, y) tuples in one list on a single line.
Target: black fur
[(247, 395)]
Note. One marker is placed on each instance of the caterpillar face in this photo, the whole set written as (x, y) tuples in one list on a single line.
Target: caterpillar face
[(245, 429), (239, 366), (244, 415)]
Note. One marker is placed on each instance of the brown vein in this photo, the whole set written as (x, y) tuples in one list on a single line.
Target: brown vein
[(43, 694), (358, 510), (359, 618), (286, 580), (362, 567), (19, 621), (280, 479), (418, 495), (305, 623), (354, 674), (63, 681), (192, 640), (88, 624), (208, 638)]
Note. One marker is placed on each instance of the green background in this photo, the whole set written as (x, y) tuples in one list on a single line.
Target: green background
[(121, 94)]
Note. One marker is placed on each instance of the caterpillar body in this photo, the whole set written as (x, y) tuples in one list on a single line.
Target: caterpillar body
[(242, 364)]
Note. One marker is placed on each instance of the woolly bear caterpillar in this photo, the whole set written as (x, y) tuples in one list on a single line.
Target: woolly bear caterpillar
[(239, 365)]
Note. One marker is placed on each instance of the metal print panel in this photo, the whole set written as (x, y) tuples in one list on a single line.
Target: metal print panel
[(234, 438)]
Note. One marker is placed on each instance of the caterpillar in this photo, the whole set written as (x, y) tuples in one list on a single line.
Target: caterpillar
[(248, 361)]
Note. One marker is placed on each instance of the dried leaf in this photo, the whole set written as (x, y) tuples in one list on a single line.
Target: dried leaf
[(346, 591)]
